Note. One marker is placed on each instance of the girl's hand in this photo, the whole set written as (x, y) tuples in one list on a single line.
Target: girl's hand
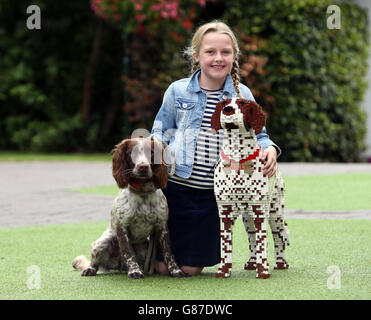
[(269, 156)]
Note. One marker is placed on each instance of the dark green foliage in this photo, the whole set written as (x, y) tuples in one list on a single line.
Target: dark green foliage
[(42, 77), (316, 75), (61, 87)]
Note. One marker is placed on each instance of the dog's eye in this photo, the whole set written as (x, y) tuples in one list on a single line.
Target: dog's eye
[(129, 158)]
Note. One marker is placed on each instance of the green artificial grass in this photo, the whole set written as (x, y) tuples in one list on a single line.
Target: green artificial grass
[(315, 245), (341, 192), (347, 192), (17, 156), (111, 190)]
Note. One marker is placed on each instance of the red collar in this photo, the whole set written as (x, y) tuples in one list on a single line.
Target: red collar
[(250, 157), (137, 183)]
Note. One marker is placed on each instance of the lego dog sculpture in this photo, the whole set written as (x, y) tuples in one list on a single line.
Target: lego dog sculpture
[(241, 188)]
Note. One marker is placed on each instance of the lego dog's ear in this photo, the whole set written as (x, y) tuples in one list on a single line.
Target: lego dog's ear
[(215, 119), (253, 115)]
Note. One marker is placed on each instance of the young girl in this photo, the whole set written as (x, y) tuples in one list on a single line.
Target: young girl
[(183, 122)]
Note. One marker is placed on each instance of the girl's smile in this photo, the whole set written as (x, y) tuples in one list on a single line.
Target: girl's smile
[(218, 67), (216, 58)]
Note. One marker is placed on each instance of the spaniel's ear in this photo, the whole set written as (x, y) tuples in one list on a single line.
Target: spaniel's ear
[(253, 115), (160, 173), (215, 119), (120, 163), (160, 176)]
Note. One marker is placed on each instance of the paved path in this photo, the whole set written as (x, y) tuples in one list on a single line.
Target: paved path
[(39, 193)]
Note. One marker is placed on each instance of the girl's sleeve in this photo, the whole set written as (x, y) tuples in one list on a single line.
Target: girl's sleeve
[(264, 141), (164, 123), (263, 137)]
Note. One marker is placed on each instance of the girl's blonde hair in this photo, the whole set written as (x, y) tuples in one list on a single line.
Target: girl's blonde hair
[(194, 48)]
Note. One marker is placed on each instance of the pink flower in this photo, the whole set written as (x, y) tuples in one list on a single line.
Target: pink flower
[(164, 14), (173, 13), (95, 5), (172, 8), (138, 6), (156, 7), (140, 17), (169, 6), (202, 3)]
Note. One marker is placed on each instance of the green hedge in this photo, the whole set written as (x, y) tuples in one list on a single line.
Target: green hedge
[(42, 78), (312, 85), (316, 75)]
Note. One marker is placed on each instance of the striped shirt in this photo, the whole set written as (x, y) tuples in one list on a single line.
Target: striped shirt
[(208, 147)]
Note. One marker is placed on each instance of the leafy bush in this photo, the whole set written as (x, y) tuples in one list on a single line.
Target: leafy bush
[(314, 77), (41, 136), (43, 73), (155, 31), (65, 88), (62, 87)]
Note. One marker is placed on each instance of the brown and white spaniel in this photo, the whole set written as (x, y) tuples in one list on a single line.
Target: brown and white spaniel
[(241, 188), (139, 214)]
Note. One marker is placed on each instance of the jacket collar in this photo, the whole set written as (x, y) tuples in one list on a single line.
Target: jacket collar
[(194, 86)]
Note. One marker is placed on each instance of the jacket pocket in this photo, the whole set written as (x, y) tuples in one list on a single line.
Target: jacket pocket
[(184, 109), (185, 104)]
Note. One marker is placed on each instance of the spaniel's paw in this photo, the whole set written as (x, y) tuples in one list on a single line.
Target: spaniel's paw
[(89, 272), (135, 274), (178, 273)]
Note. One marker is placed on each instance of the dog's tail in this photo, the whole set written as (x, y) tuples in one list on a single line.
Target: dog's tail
[(80, 263)]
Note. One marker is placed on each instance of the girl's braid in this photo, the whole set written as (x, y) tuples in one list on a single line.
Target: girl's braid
[(236, 76)]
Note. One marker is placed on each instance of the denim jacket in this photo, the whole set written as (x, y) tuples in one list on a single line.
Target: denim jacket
[(179, 119)]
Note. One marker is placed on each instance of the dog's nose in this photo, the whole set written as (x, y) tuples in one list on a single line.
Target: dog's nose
[(143, 168), (228, 109)]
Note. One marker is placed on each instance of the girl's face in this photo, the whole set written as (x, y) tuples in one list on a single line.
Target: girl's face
[(215, 57)]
